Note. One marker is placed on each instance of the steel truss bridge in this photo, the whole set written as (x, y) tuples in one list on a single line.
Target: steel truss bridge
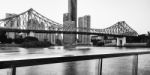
[(32, 21)]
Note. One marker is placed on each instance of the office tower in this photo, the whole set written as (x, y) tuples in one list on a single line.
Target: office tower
[(84, 25), (80, 25), (66, 17), (72, 9), (69, 39), (51, 37), (87, 22), (12, 23), (69, 22), (59, 39)]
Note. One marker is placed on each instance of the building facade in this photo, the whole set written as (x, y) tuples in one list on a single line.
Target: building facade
[(72, 9), (68, 24), (66, 17), (12, 23), (69, 39), (84, 26), (33, 24)]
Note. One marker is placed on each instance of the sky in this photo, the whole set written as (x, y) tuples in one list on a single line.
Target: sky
[(104, 13)]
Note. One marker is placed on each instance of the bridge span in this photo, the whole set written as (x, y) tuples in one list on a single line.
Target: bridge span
[(32, 21)]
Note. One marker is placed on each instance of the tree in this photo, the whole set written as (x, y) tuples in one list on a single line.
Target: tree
[(29, 39), (9, 40), (148, 42), (18, 40), (58, 42), (3, 37)]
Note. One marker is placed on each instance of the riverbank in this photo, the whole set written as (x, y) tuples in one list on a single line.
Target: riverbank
[(33, 44), (129, 45), (10, 45), (135, 45)]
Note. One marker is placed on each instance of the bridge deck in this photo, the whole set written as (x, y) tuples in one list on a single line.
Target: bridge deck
[(63, 32)]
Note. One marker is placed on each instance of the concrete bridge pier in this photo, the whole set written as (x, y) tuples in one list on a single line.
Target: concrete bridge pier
[(121, 41), (31, 34)]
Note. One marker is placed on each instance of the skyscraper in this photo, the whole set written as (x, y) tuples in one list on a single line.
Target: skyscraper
[(70, 22), (68, 39), (80, 25), (84, 25), (72, 9), (11, 24), (66, 17)]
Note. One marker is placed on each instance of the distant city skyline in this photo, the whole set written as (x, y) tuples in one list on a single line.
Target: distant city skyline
[(104, 13)]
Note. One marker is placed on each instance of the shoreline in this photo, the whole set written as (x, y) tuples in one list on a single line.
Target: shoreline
[(10, 45), (126, 46)]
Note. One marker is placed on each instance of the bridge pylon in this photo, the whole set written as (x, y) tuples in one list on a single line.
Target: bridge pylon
[(121, 41)]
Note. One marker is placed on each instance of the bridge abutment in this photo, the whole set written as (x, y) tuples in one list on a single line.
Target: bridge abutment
[(121, 41)]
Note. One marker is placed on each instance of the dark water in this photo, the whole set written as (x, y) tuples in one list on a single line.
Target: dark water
[(111, 66)]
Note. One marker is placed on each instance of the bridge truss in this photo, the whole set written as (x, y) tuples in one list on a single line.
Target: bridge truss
[(32, 20)]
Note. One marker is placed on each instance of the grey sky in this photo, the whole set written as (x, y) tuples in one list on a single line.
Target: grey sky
[(104, 13)]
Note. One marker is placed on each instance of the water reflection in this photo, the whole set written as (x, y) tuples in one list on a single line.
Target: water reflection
[(87, 67), (117, 66), (144, 64), (70, 68), (48, 69)]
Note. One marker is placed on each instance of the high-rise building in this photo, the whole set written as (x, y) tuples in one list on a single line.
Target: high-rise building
[(11, 24), (69, 39), (51, 36), (87, 22), (70, 22), (84, 25), (72, 9), (80, 25), (66, 17)]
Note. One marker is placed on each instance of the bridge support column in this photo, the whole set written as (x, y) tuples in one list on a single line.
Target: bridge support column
[(31, 34), (121, 41)]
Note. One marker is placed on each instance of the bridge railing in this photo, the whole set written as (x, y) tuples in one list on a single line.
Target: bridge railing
[(21, 62)]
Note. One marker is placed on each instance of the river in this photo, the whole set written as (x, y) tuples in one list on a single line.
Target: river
[(111, 66)]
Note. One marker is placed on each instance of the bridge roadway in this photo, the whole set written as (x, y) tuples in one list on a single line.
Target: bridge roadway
[(60, 32), (20, 57)]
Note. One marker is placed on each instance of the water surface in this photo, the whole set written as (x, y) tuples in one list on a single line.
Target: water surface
[(111, 66)]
